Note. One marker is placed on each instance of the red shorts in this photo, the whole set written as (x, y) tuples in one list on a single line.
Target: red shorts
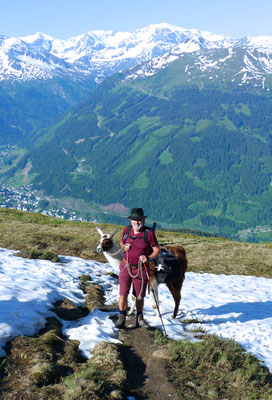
[(125, 280)]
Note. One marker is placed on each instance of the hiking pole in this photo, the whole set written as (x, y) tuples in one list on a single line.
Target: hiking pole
[(156, 300)]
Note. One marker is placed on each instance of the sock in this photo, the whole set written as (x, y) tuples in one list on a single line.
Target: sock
[(122, 312)]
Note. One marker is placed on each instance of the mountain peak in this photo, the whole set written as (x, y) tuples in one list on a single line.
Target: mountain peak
[(102, 52), (163, 25), (35, 37)]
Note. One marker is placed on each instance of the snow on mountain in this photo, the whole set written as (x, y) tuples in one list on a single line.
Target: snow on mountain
[(260, 42), (22, 60), (240, 65), (105, 52)]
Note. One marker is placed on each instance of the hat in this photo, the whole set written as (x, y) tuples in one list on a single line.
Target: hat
[(136, 214)]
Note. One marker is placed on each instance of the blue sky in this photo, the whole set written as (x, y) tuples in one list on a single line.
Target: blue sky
[(66, 18)]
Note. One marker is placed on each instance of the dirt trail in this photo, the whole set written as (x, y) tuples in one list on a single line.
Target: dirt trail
[(145, 363)]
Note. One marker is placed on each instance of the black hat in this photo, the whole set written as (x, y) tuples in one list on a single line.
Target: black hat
[(136, 214)]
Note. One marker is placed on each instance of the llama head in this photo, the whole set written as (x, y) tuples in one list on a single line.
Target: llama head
[(106, 241)]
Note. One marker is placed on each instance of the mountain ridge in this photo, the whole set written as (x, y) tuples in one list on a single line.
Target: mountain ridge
[(194, 156), (186, 134), (106, 52)]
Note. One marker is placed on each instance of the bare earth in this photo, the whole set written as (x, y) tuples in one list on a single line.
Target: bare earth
[(145, 364)]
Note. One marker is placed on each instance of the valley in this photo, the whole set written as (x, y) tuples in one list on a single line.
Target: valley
[(183, 128)]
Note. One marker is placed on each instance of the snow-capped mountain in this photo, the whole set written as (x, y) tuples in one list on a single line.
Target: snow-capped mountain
[(105, 52), (21, 60), (41, 77), (238, 65)]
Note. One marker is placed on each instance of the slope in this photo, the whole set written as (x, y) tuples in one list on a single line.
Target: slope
[(194, 153)]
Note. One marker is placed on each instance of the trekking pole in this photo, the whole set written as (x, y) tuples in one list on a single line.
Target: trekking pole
[(156, 300)]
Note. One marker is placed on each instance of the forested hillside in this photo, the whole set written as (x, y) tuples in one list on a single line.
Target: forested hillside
[(194, 155), (27, 107)]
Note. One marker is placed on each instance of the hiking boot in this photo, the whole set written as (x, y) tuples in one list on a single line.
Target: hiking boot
[(120, 323), (140, 320)]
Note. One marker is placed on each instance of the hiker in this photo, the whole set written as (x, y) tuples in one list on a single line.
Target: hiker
[(140, 246)]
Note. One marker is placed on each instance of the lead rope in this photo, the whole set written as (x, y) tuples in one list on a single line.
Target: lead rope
[(118, 251), (139, 271)]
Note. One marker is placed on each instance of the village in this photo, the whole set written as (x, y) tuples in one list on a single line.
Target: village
[(25, 199)]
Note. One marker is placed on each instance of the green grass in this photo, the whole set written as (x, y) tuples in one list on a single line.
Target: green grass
[(141, 181), (39, 254), (10, 157), (227, 124), (166, 157), (220, 369), (200, 163), (203, 124), (243, 108), (136, 158), (145, 122), (214, 369)]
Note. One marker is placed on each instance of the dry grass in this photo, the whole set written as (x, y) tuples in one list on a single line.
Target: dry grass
[(50, 367), (21, 231), (223, 256), (26, 231)]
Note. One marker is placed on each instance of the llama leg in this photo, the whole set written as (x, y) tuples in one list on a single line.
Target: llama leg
[(133, 305), (175, 289)]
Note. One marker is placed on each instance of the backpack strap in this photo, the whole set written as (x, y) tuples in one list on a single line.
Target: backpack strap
[(146, 235), (126, 235), (147, 229)]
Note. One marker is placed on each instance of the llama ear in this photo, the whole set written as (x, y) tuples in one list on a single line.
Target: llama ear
[(113, 233), (99, 231)]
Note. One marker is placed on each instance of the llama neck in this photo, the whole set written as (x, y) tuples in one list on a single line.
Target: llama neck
[(114, 260)]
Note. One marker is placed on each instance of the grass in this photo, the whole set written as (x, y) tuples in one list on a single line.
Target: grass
[(166, 157), (102, 377), (141, 181), (48, 366), (215, 369), (27, 231), (39, 254)]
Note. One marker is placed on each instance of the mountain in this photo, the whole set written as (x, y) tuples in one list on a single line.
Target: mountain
[(41, 77), (36, 87), (195, 152), (184, 131), (100, 52)]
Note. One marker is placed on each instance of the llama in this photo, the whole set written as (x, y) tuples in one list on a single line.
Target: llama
[(114, 256)]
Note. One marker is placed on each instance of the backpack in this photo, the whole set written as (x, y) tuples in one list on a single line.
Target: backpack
[(145, 232), (167, 267)]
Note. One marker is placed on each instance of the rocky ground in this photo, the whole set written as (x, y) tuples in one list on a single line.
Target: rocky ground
[(48, 366)]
